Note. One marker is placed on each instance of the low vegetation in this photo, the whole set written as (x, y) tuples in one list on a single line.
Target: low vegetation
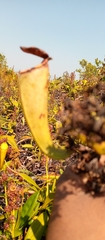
[(28, 178)]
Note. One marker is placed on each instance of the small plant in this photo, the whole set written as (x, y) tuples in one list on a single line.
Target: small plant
[(25, 205)]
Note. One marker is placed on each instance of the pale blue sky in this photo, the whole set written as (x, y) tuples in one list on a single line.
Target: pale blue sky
[(68, 30)]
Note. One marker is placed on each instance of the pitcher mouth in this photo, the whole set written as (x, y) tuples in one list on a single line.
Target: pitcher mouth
[(37, 52)]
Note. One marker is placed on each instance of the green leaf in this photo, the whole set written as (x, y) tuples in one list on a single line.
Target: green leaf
[(17, 215), (0, 232), (34, 213), (37, 228), (28, 209), (2, 217), (48, 200), (3, 120), (29, 180), (27, 146), (6, 164), (17, 232)]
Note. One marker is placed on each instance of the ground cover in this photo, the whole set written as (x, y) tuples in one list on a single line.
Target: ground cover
[(28, 177)]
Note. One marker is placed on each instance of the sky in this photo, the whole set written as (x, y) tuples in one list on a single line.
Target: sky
[(68, 31)]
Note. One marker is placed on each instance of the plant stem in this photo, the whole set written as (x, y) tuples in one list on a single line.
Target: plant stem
[(47, 187), (5, 189)]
